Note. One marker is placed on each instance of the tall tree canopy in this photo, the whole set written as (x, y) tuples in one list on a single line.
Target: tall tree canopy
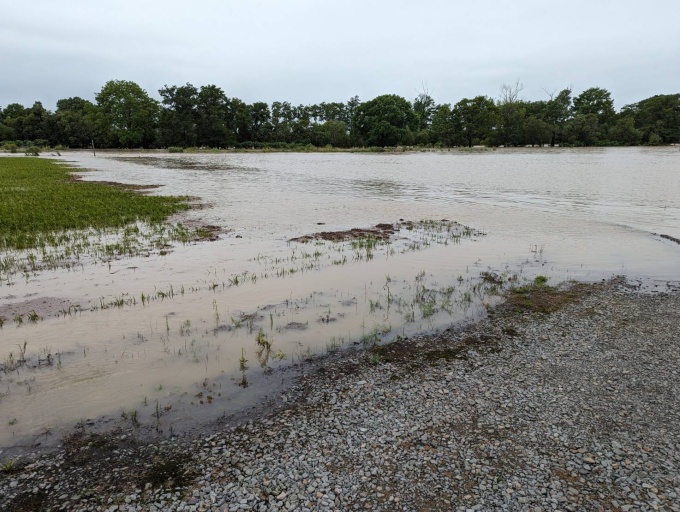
[(475, 119), (75, 120), (556, 113), (178, 114), (127, 116), (658, 118), (385, 121)]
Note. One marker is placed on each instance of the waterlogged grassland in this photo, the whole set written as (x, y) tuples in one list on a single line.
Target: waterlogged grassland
[(196, 347), (40, 197), (48, 219)]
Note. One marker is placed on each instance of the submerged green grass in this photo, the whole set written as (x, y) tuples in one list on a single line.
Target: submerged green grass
[(40, 197)]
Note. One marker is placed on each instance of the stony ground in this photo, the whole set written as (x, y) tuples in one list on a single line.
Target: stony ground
[(558, 401)]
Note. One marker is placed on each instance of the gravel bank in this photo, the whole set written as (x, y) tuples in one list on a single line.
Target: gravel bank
[(574, 408)]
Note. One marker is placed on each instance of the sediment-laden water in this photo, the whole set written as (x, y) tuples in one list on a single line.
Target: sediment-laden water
[(176, 334)]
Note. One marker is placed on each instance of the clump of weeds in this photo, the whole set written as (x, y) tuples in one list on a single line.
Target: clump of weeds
[(537, 297)]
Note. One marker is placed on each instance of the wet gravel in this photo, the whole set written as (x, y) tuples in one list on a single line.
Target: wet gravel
[(578, 409)]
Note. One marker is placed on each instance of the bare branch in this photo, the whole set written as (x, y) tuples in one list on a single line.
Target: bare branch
[(510, 93)]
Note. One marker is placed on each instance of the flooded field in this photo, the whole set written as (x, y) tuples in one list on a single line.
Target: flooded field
[(169, 333)]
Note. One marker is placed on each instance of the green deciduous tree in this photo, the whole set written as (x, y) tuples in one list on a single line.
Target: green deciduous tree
[(536, 131), (331, 132), (261, 126), (510, 124), (584, 130), (510, 116), (177, 123), (6, 133), (444, 126), (351, 108), (557, 112), (596, 101), (474, 119), (127, 116), (34, 124), (282, 118), (424, 109), (38, 125), (240, 120), (659, 116), (333, 111), (75, 119), (213, 118), (385, 121), (624, 132), (13, 119)]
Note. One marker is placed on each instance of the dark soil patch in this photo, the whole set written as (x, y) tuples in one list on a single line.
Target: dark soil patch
[(381, 231), (207, 233), (80, 447), (542, 299), (202, 232), (129, 187), (439, 347), (297, 325), (168, 471), (29, 502)]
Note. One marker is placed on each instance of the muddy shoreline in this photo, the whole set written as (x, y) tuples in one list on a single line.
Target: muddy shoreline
[(146, 472)]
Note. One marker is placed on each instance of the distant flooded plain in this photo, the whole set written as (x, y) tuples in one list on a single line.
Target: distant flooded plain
[(184, 333)]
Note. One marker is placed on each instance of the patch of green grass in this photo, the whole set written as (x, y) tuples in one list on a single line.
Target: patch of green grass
[(540, 280), (39, 197)]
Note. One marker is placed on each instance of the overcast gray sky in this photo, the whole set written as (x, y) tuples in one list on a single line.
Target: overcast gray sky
[(306, 51)]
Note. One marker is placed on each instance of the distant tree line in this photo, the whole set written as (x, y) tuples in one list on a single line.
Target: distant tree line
[(125, 116)]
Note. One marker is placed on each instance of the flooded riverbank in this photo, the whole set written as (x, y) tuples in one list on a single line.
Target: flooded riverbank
[(188, 331)]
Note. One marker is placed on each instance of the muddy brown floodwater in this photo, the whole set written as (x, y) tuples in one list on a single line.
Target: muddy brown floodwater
[(311, 253)]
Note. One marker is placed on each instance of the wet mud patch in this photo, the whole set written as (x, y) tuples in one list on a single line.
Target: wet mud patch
[(299, 326), (380, 231), (43, 307), (542, 299), (385, 232), (201, 231), (128, 187), (442, 347)]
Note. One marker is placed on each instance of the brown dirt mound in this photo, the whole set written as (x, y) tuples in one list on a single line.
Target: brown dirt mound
[(382, 231)]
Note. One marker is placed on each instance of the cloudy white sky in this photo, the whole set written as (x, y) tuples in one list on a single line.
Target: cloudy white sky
[(306, 51)]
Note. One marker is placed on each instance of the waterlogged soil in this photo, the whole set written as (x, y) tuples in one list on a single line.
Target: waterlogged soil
[(195, 355), (492, 414), (381, 231), (43, 307), (202, 330), (123, 186)]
